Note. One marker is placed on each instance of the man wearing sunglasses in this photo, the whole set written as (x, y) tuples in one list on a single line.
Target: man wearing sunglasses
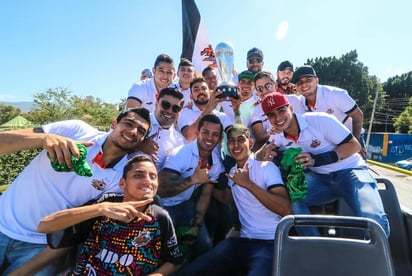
[(164, 137), (254, 60), (261, 127), (332, 100)]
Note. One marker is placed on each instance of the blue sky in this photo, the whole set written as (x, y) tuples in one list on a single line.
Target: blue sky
[(99, 47)]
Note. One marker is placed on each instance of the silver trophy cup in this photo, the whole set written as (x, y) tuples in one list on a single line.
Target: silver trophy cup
[(225, 65)]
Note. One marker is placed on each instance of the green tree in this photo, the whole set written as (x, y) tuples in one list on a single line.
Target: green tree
[(59, 104), (348, 73), (8, 112), (403, 123)]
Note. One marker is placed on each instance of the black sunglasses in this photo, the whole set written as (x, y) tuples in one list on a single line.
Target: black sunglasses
[(268, 86), (166, 105), (255, 60)]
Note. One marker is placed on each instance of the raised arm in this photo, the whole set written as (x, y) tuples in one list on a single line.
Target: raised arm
[(171, 183), (124, 211), (58, 147)]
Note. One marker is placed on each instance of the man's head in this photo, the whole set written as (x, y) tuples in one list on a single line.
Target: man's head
[(210, 75), (254, 60), (264, 84), (276, 107), (139, 180), (239, 143), (146, 74), (185, 72), (169, 103), (210, 131), (130, 128), (199, 91), (285, 72), (246, 85), (163, 71), (306, 80)]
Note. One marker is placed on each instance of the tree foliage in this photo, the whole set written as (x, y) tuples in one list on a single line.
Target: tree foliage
[(8, 112), (59, 104), (403, 123), (350, 74)]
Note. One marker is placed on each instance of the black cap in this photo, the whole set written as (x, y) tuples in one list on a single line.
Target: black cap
[(254, 52), (303, 71), (285, 64)]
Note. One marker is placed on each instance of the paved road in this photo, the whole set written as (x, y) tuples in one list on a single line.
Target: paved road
[(402, 183)]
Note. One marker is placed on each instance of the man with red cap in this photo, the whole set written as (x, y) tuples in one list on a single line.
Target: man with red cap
[(330, 153)]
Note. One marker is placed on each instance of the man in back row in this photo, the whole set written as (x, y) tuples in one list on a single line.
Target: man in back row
[(144, 93)]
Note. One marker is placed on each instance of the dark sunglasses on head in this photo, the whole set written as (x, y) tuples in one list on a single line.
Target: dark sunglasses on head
[(255, 60), (268, 86), (166, 105)]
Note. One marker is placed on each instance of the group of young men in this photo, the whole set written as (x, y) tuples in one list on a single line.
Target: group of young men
[(180, 167)]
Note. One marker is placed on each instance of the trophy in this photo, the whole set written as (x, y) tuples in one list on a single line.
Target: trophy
[(224, 61)]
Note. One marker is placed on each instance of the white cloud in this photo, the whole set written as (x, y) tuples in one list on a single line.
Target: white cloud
[(282, 30)]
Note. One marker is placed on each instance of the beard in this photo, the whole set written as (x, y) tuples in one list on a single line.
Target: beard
[(201, 102)]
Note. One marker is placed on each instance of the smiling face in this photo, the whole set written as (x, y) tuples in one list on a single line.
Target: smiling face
[(264, 86), (281, 118), (239, 144), (245, 88), (167, 117), (285, 76), (307, 86), (141, 181), (163, 75), (209, 136), (128, 132), (200, 93)]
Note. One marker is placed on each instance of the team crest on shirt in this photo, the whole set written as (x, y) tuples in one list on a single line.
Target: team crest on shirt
[(98, 184), (315, 143), (330, 110), (142, 239)]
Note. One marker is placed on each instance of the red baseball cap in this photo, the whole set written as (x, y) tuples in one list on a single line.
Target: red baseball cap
[(273, 101)]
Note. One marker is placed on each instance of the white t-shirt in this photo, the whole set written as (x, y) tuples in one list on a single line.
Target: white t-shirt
[(167, 138), (184, 160), (257, 221), (334, 101), (145, 92), (189, 115), (319, 133), (39, 190)]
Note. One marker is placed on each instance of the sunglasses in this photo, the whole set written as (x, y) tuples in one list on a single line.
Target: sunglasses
[(166, 105), (268, 86), (255, 60)]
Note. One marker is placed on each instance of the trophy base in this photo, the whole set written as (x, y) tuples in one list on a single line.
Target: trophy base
[(229, 91)]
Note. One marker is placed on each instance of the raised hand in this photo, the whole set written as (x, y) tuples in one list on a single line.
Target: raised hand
[(241, 177), (125, 211)]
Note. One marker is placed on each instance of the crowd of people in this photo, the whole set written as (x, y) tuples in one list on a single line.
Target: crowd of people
[(186, 182)]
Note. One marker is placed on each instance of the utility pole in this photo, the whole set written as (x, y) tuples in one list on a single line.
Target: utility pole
[(372, 116)]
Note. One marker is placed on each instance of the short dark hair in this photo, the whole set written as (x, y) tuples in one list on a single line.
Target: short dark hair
[(174, 92), (264, 74), (211, 118), (164, 58), (196, 80), (238, 127), (136, 159), (207, 69), (185, 62), (141, 111)]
